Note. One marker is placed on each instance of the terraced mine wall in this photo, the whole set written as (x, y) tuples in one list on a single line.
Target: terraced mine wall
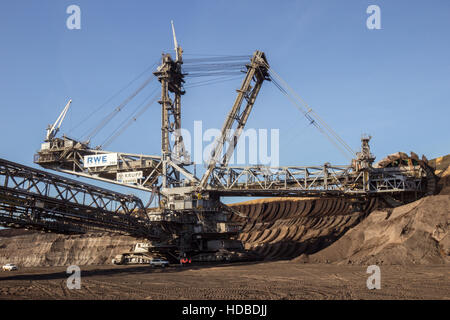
[(284, 228), (33, 248)]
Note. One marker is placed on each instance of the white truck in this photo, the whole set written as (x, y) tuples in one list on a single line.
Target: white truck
[(10, 267)]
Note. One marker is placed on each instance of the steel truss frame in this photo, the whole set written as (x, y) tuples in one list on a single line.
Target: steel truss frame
[(314, 180), (37, 199), (237, 117), (67, 155)]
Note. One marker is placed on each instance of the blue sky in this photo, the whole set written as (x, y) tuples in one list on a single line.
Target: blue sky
[(391, 83)]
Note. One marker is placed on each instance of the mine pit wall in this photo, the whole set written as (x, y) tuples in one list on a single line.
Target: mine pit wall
[(284, 228), (31, 248)]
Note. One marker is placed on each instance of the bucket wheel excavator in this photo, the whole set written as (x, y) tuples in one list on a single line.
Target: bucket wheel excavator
[(190, 215)]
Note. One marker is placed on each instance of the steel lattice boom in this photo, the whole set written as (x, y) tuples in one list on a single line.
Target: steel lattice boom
[(323, 180), (37, 199)]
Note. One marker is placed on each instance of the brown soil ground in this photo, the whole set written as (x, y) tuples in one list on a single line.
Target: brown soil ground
[(268, 280)]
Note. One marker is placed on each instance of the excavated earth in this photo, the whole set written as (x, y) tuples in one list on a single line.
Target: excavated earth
[(417, 233), (284, 228), (31, 248), (311, 248)]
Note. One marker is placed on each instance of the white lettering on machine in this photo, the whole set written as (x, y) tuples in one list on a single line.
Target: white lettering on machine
[(100, 160), (129, 177)]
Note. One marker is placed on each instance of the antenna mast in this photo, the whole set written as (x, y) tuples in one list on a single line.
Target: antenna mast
[(171, 78), (53, 130), (178, 50)]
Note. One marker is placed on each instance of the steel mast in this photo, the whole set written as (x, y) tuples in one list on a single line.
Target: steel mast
[(171, 78)]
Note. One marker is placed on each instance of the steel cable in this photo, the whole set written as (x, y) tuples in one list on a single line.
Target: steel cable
[(312, 116), (112, 97)]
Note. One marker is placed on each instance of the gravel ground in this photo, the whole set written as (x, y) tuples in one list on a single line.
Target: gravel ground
[(268, 280)]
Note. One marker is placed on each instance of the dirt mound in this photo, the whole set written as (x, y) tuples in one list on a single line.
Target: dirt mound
[(440, 164), (30, 248), (416, 233), (444, 181), (442, 171)]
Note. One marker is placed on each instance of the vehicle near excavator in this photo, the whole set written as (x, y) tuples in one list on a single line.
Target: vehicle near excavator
[(159, 263), (10, 267), (139, 254)]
